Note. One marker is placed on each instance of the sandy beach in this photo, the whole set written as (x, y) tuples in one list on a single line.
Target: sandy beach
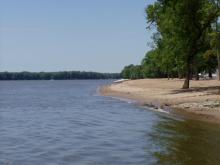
[(201, 101)]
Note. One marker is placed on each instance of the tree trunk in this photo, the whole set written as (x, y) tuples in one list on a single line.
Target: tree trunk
[(186, 82), (218, 65), (217, 48), (197, 76), (180, 76), (210, 74), (187, 79)]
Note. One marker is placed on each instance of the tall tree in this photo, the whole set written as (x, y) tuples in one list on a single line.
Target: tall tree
[(183, 25), (217, 37)]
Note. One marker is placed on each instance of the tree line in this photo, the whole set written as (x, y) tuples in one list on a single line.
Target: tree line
[(186, 41), (65, 75)]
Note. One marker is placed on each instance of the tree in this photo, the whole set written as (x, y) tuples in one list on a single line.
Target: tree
[(132, 72), (183, 27), (217, 37)]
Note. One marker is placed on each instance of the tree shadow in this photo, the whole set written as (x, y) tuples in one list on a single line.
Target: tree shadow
[(210, 90)]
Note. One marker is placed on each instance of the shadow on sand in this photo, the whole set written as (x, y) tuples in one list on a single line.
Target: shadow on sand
[(209, 90)]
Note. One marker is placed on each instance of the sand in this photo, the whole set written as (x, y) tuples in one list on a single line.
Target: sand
[(201, 101)]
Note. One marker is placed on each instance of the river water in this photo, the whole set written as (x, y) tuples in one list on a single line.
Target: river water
[(68, 123)]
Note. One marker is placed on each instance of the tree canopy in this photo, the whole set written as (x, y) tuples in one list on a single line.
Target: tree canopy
[(182, 43)]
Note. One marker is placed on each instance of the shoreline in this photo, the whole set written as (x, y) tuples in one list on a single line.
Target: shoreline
[(200, 102)]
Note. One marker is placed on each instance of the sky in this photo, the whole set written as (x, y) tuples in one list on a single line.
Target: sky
[(86, 35)]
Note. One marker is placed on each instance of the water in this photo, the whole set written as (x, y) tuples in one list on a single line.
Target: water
[(67, 123)]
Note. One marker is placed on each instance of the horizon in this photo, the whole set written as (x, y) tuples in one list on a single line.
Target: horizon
[(98, 36), (59, 71)]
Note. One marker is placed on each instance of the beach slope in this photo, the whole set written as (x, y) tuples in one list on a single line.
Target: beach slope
[(201, 101)]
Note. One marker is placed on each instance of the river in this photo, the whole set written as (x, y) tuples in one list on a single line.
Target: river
[(69, 123)]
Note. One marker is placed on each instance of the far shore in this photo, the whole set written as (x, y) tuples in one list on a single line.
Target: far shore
[(200, 102)]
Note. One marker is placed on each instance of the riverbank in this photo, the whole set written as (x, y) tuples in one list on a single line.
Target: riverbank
[(201, 101)]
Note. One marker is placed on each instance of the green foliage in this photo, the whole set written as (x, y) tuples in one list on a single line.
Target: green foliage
[(132, 72), (215, 40), (152, 67), (182, 38)]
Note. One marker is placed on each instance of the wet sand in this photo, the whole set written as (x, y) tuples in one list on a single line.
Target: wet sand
[(200, 102)]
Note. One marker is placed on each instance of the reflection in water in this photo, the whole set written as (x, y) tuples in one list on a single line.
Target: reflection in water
[(186, 142)]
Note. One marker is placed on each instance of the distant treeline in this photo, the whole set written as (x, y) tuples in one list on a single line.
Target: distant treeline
[(65, 75)]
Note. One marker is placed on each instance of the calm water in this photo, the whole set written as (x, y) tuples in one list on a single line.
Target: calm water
[(67, 123)]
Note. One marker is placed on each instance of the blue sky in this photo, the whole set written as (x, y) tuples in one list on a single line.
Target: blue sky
[(89, 35)]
